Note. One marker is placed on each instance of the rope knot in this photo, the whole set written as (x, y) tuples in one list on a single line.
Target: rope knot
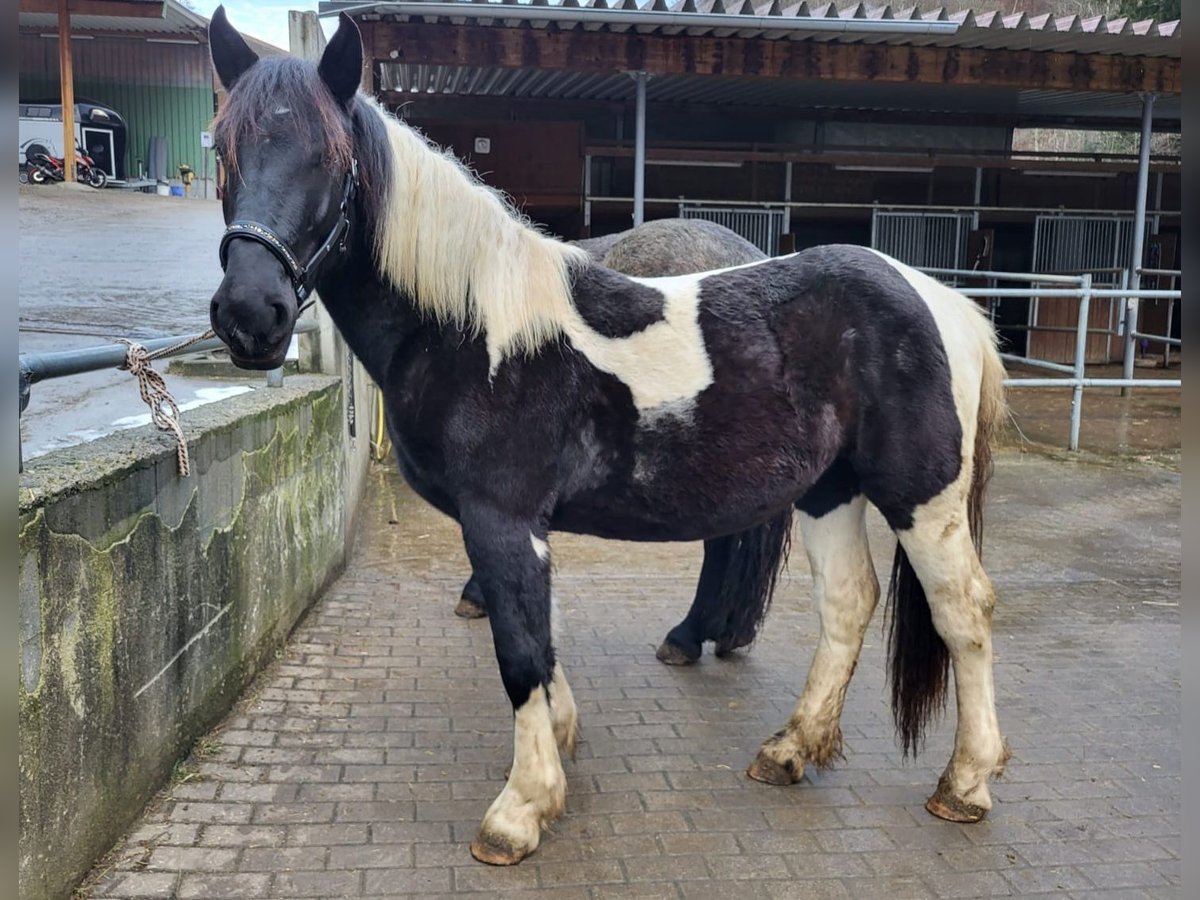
[(164, 411)]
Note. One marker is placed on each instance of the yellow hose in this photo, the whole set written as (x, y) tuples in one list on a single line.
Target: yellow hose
[(381, 444)]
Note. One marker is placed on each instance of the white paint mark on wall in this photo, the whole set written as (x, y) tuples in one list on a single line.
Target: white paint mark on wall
[(182, 650)]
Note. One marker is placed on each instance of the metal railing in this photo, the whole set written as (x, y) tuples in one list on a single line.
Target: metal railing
[(36, 367), (1082, 289)]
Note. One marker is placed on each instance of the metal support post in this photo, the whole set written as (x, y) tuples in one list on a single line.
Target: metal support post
[(1081, 336), (978, 198), (587, 196), (787, 197), (639, 151), (1139, 239)]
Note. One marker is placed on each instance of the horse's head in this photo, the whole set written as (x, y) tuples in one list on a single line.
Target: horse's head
[(285, 137)]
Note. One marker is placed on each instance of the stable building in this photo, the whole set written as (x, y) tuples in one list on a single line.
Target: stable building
[(143, 63), (800, 123)]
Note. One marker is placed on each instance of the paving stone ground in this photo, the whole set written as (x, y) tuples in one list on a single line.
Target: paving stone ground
[(361, 763)]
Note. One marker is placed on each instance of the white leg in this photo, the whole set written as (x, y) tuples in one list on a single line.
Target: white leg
[(846, 591), (535, 793), (961, 600), (563, 716)]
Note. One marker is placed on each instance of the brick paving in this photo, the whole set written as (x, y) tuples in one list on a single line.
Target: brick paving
[(361, 763)]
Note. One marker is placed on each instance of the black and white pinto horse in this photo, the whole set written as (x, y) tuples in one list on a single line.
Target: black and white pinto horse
[(739, 572), (529, 390)]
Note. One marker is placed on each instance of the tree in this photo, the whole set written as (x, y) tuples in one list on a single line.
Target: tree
[(1161, 10)]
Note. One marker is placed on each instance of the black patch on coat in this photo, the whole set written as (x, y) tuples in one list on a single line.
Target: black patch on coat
[(640, 306)]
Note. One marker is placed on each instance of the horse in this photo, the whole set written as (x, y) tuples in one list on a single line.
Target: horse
[(739, 571), (529, 389)]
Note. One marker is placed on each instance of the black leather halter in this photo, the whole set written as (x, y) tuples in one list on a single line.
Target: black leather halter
[(302, 276)]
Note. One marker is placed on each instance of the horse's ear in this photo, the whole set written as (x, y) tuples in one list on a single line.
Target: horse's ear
[(341, 63), (231, 55)]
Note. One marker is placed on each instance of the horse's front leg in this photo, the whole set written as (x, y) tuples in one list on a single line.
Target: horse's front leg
[(512, 563)]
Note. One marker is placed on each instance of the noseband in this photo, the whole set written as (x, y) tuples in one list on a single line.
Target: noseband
[(302, 276)]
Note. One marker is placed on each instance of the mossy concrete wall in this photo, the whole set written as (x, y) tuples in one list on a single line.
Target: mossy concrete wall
[(147, 601)]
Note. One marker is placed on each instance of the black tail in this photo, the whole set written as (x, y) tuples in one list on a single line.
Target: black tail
[(755, 559), (919, 666)]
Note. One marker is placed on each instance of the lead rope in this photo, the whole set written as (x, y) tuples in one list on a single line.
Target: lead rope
[(164, 411)]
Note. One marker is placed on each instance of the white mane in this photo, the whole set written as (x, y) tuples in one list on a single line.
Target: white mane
[(463, 255)]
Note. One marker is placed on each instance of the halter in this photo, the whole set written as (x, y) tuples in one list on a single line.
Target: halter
[(302, 276)]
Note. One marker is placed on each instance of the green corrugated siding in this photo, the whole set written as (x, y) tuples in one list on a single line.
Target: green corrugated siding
[(160, 89)]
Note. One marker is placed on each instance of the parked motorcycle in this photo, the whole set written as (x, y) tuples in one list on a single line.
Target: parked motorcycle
[(42, 168)]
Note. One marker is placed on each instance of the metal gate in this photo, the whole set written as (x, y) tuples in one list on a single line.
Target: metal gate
[(923, 240), (761, 227), (1076, 245)]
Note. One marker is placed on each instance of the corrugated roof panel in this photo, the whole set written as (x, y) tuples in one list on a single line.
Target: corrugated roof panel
[(989, 30)]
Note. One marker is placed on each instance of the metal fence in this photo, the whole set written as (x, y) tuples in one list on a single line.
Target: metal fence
[(761, 227), (1081, 289)]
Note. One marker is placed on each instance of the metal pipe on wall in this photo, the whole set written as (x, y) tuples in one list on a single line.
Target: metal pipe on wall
[(1139, 237)]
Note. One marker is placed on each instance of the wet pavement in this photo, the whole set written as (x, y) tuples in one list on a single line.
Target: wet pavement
[(361, 762), (1147, 424), (98, 265)]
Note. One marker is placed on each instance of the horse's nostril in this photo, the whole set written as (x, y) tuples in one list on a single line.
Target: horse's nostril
[(283, 314), (212, 309)]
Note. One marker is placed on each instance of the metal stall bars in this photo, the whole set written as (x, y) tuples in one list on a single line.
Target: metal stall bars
[(923, 239), (761, 227)]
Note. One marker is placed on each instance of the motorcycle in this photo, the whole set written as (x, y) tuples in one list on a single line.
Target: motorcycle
[(42, 168)]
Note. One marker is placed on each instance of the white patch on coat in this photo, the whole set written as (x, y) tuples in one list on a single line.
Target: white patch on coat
[(536, 790), (665, 365), (540, 547)]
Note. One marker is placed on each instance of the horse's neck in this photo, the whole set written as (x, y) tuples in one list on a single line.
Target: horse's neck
[(374, 320)]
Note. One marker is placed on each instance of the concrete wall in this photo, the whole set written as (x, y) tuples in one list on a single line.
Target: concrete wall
[(147, 601)]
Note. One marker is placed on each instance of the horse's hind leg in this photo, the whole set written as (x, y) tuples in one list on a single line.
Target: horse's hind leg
[(846, 591), (471, 604), (511, 559), (685, 642), (960, 601)]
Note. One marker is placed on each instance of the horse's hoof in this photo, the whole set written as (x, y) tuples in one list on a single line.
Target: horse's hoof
[(723, 649), (768, 771), (469, 609), (673, 655), (495, 850), (945, 805)]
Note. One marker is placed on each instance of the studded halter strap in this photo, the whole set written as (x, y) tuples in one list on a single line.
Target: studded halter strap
[(301, 275)]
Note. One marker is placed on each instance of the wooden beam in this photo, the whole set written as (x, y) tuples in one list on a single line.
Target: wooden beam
[(107, 8), (424, 104), (682, 54), (66, 79)]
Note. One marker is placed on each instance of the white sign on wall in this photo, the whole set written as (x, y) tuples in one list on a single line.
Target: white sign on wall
[(206, 139)]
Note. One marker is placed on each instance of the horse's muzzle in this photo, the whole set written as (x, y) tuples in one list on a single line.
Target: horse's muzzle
[(254, 310)]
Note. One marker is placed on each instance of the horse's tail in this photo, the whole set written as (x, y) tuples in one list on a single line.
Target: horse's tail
[(756, 557), (920, 662)]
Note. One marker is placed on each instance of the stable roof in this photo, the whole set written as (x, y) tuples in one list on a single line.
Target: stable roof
[(1017, 69), (151, 19)]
